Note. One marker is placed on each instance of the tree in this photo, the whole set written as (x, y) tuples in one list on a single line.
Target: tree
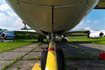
[(1, 29), (25, 28), (5, 29)]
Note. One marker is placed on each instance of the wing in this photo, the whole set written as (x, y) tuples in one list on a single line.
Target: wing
[(78, 33), (100, 5), (12, 34), (25, 31), (1, 32)]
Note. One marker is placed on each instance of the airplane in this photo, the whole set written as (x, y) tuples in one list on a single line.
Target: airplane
[(94, 34), (52, 18), (8, 36)]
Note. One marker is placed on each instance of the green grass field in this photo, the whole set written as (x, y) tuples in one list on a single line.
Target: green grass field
[(89, 40), (5, 46)]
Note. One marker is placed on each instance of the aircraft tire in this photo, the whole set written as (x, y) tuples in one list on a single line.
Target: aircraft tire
[(43, 59), (64, 40), (40, 40), (60, 60)]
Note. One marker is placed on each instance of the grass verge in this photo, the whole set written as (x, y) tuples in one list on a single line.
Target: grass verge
[(77, 58), (5, 46), (19, 58), (86, 52), (100, 41)]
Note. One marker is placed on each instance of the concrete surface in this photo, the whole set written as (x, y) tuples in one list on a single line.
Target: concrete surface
[(68, 50), (30, 45), (38, 49), (32, 55), (11, 55), (24, 65), (85, 65), (72, 51), (3, 63), (91, 48), (22, 49)]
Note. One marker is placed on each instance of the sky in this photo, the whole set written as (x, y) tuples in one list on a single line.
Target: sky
[(95, 20)]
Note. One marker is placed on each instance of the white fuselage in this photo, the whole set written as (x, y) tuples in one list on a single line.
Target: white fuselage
[(38, 13)]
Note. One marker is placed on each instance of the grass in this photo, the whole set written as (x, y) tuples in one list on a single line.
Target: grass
[(18, 67), (86, 52), (17, 59), (66, 66), (77, 58), (5, 46), (100, 41), (34, 58), (76, 68), (40, 44), (2, 56)]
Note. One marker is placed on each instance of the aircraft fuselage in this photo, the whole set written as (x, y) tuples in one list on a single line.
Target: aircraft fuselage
[(38, 13)]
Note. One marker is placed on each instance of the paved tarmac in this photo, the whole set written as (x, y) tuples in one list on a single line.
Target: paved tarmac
[(25, 64)]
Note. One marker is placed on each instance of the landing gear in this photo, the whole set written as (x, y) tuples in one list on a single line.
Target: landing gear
[(43, 58), (64, 40), (40, 40), (60, 59)]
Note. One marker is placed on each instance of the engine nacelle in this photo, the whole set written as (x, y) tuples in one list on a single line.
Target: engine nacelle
[(96, 35), (8, 35)]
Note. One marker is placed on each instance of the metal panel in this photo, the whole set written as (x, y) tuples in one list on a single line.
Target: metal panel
[(100, 5)]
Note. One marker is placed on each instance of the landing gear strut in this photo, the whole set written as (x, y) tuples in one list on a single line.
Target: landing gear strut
[(60, 58), (64, 40), (40, 39)]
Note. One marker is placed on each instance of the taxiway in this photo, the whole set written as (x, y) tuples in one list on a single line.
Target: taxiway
[(79, 55)]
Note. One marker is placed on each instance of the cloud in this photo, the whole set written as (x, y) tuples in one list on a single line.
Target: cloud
[(78, 26), (5, 7), (10, 23), (87, 28), (11, 13), (88, 21), (96, 21), (9, 28), (81, 23), (2, 2), (8, 19)]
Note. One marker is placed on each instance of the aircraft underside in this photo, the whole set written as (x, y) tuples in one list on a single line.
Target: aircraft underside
[(38, 14), (54, 17)]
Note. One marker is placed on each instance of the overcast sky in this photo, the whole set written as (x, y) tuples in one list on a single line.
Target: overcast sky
[(95, 20)]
